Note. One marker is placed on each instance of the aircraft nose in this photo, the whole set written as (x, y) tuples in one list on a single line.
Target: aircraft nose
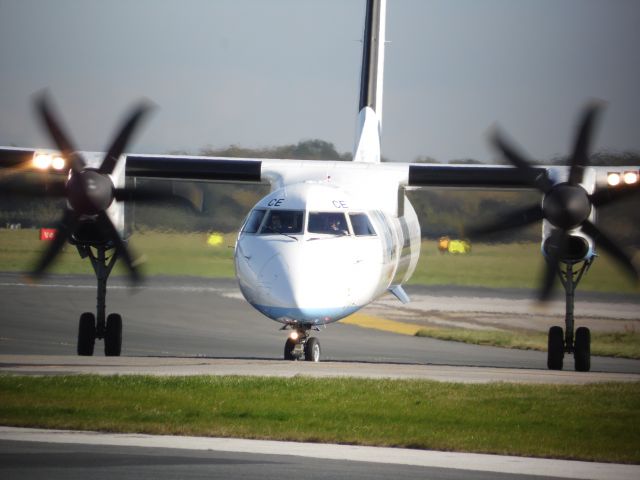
[(304, 289), (305, 281), (275, 277)]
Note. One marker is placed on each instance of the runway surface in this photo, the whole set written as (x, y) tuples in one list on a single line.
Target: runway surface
[(51, 454), (194, 317), (184, 326)]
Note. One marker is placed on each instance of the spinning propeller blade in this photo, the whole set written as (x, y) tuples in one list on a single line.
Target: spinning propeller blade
[(580, 156), (566, 206), (65, 228), (120, 142), (90, 192), (52, 124), (515, 219)]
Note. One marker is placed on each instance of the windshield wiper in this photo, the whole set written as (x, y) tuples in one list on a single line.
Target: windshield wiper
[(329, 236), (287, 235)]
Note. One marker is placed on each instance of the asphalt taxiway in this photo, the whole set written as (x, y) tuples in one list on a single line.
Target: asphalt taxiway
[(206, 318)]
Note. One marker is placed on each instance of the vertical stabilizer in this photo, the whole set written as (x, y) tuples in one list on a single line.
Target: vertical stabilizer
[(367, 147)]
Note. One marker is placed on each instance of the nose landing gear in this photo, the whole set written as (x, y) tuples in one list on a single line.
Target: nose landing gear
[(300, 345)]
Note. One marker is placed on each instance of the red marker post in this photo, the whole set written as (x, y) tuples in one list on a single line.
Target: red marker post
[(47, 234)]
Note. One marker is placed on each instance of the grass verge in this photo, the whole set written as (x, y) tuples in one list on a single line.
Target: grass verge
[(579, 422), (610, 344), (515, 265)]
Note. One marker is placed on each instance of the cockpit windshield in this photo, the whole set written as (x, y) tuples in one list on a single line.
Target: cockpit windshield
[(253, 221), (361, 225), (287, 222), (331, 223)]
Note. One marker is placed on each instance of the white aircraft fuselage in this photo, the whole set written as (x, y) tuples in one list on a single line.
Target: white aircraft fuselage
[(334, 248)]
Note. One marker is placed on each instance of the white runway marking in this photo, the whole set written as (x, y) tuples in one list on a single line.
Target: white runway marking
[(176, 366), (225, 292), (393, 456)]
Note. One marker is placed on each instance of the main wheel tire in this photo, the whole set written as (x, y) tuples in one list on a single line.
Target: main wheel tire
[(113, 336), (555, 348), (288, 349), (582, 350), (312, 350), (86, 334)]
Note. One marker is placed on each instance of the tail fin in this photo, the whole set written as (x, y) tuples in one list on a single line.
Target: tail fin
[(367, 147)]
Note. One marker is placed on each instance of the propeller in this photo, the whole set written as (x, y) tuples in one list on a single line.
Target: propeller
[(89, 191), (566, 206)]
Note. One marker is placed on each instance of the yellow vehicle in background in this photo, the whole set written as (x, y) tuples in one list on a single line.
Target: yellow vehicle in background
[(446, 245)]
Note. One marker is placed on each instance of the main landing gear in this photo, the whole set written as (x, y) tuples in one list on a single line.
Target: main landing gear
[(100, 326), (561, 342), (300, 345)]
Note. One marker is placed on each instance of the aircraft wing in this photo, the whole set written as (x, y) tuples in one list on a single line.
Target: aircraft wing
[(181, 167), (473, 176), (19, 175), (11, 157), (15, 161)]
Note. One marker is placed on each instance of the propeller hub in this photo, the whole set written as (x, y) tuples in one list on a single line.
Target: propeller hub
[(566, 206), (89, 192)]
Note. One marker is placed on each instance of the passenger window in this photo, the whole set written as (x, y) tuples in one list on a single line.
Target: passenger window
[(283, 221), (253, 221), (361, 225), (331, 223)]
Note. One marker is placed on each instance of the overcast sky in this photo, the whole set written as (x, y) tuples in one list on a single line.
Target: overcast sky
[(269, 72)]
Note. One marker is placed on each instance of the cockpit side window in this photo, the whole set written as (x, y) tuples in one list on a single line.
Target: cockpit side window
[(361, 225), (283, 221), (253, 221), (332, 223)]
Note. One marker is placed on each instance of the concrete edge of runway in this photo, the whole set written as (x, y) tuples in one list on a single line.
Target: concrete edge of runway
[(392, 456), (186, 366)]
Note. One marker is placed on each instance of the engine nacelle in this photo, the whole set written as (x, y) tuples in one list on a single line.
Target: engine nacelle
[(580, 248)]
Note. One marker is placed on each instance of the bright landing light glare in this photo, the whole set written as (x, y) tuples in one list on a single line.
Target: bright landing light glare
[(630, 177), (45, 161), (613, 179), (42, 161), (58, 163)]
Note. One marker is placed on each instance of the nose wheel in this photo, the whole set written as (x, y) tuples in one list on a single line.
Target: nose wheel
[(300, 346)]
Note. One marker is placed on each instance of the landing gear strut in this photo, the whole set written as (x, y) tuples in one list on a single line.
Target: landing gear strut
[(100, 325), (300, 345), (560, 342)]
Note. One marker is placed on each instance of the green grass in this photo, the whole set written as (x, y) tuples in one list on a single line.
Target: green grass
[(609, 344), (592, 422), (163, 253), (515, 265)]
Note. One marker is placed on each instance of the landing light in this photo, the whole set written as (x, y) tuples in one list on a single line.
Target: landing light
[(630, 177), (613, 179), (58, 163), (45, 161), (42, 161), (294, 335)]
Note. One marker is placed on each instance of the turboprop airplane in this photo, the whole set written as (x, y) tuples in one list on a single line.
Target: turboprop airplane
[(330, 237)]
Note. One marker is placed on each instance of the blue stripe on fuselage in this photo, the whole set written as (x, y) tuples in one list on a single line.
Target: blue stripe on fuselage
[(306, 316)]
